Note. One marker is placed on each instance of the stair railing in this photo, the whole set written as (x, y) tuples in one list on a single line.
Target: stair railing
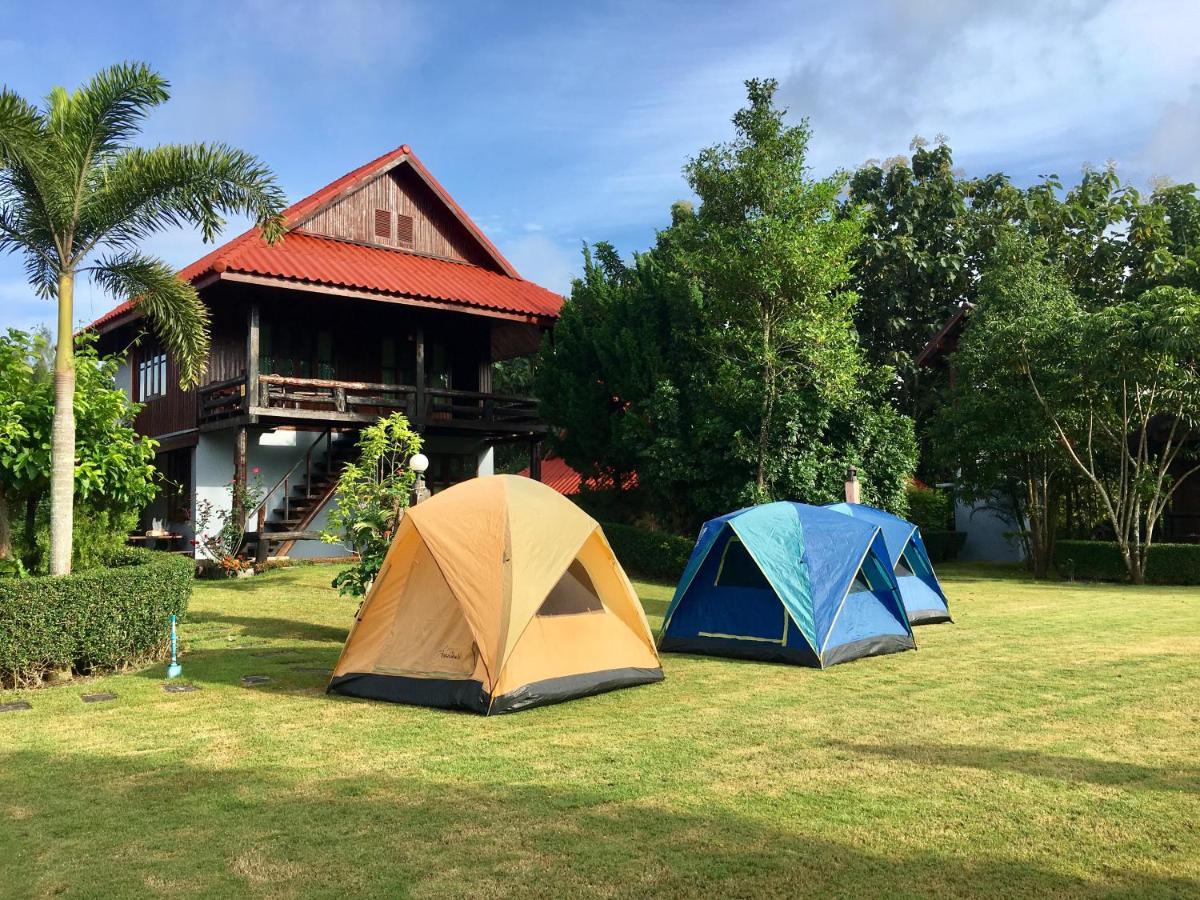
[(285, 482)]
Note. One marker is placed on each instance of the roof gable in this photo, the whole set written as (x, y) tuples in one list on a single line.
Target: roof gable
[(455, 266)]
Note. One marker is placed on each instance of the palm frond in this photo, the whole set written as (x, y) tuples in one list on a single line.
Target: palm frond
[(22, 128), (141, 191), (104, 114), (172, 306)]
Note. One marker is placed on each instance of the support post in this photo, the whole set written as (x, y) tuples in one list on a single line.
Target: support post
[(535, 460), (420, 378), (252, 357), (239, 467)]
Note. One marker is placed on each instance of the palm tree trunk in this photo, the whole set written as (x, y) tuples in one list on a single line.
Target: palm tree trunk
[(62, 434)]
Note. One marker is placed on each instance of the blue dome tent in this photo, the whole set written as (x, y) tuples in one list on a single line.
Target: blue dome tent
[(924, 600), (787, 582)]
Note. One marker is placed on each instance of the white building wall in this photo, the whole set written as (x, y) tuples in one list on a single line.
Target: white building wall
[(989, 535), (124, 377), (273, 453)]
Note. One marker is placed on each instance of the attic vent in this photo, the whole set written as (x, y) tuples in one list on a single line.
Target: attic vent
[(404, 230), (383, 223)]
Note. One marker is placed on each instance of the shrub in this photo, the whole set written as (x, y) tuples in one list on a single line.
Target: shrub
[(929, 509), (1101, 561), (372, 494), (90, 621), (943, 545), (649, 554)]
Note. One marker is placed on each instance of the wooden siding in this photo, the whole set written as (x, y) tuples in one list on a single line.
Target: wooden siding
[(434, 231), (175, 410)]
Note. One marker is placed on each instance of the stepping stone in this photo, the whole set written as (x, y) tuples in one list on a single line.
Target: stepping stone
[(98, 698), (177, 688), (268, 652), (251, 680), (315, 669), (15, 706)]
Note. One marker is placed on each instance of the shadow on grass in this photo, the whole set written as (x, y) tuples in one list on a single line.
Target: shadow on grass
[(1029, 762), (271, 628), (232, 826)]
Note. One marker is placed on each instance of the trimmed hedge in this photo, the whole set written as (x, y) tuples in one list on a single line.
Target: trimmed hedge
[(943, 545), (1101, 561), (649, 554), (93, 620)]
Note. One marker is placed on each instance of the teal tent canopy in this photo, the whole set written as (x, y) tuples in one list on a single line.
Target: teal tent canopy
[(787, 582), (924, 600)]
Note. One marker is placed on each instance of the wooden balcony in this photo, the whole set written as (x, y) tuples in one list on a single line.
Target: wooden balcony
[(280, 398)]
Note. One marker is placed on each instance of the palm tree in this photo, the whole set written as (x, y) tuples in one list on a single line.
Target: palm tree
[(76, 197)]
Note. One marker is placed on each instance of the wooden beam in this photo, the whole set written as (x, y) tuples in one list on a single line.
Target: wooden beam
[(535, 460), (239, 462), (419, 412), (252, 354)]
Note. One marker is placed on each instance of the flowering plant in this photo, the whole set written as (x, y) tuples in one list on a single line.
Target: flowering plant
[(222, 544)]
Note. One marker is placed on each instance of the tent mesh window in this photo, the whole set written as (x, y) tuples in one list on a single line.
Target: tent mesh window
[(870, 576), (574, 594), (738, 568), (903, 566)]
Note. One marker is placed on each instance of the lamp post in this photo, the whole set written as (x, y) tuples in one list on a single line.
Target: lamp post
[(419, 463)]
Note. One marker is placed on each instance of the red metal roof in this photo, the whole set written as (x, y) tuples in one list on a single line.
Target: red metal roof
[(311, 259), (558, 475)]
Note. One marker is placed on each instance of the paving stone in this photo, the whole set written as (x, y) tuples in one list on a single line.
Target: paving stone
[(268, 652), (14, 706), (174, 687), (251, 680), (98, 698)]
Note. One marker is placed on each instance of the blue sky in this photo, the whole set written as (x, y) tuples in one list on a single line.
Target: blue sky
[(556, 123)]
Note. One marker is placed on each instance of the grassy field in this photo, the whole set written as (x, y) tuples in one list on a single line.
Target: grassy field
[(1046, 744)]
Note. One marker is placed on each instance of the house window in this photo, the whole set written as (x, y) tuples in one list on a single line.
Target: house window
[(152, 376), (325, 367), (175, 466)]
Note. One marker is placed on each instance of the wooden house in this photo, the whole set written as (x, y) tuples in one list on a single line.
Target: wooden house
[(383, 296)]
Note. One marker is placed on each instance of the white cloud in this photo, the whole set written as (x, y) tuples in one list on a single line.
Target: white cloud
[(541, 260)]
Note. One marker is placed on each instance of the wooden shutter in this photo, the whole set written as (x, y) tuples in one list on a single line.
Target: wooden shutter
[(383, 223), (404, 230)]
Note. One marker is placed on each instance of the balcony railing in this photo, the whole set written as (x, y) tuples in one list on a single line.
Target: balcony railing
[(332, 400)]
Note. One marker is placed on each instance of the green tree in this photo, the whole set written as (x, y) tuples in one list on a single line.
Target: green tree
[(76, 197), (1119, 386), (722, 365), (114, 474), (774, 259), (989, 428), (372, 494), (913, 268)]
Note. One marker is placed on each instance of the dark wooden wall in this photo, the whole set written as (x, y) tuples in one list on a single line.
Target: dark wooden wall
[(436, 232), (173, 411)]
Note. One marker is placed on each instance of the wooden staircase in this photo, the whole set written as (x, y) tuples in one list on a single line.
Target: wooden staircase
[(288, 510)]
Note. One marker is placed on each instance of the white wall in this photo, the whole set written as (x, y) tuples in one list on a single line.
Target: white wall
[(988, 538), (273, 454), (487, 461), (124, 377)]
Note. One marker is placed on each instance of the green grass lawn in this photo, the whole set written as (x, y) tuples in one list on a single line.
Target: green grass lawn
[(1046, 744)]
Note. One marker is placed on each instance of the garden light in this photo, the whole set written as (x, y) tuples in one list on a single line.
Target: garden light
[(174, 670)]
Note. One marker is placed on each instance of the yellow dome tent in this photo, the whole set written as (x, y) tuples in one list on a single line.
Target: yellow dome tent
[(497, 594)]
